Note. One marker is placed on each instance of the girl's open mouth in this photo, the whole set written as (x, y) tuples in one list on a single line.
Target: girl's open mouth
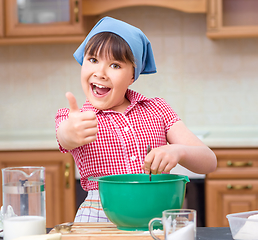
[(99, 90)]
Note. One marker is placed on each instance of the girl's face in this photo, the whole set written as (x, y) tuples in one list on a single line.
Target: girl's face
[(105, 80)]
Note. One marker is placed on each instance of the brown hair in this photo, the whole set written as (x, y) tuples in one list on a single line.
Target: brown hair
[(109, 44)]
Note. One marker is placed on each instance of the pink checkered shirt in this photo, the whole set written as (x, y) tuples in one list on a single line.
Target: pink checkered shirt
[(122, 138)]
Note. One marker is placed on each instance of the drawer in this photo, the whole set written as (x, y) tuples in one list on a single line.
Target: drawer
[(235, 164)]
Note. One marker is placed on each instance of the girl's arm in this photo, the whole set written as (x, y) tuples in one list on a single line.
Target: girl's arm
[(183, 148)]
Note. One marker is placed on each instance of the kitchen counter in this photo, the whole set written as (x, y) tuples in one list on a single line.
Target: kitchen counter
[(26, 140), (204, 233), (217, 137), (228, 137)]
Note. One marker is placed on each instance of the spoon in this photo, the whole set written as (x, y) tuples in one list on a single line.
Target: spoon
[(64, 227), (148, 150)]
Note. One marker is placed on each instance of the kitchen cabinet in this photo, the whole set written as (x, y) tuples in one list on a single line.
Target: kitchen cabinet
[(59, 181), (94, 7), (39, 21), (233, 187), (232, 18), (1, 18)]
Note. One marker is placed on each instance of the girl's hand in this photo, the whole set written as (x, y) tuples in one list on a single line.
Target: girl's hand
[(79, 129), (162, 159), (184, 148)]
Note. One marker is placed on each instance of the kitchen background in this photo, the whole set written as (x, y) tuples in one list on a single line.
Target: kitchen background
[(211, 84)]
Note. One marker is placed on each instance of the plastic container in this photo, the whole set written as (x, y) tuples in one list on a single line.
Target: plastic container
[(130, 200), (244, 225)]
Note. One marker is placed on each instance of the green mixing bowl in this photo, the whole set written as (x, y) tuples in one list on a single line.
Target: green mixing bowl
[(130, 201)]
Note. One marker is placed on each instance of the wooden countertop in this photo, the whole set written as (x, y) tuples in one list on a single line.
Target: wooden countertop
[(108, 231), (205, 233)]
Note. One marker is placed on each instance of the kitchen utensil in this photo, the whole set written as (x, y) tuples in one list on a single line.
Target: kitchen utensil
[(148, 150), (244, 225), (177, 224), (64, 227), (130, 200), (24, 196)]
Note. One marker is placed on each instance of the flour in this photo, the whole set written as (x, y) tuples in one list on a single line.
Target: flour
[(185, 233), (250, 229)]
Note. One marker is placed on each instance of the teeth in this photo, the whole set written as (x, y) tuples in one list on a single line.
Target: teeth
[(94, 90), (99, 86)]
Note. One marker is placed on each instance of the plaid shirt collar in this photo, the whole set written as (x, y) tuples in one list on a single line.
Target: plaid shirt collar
[(131, 95)]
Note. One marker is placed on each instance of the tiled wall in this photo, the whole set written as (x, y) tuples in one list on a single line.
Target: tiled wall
[(209, 83)]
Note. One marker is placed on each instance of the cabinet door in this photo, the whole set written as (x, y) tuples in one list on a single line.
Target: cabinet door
[(229, 196), (232, 18), (43, 17), (1, 18), (59, 181)]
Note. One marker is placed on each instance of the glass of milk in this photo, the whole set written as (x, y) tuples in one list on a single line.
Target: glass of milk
[(23, 201), (177, 224)]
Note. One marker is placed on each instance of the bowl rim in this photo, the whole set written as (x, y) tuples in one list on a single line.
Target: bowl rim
[(104, 179), (242, 216)]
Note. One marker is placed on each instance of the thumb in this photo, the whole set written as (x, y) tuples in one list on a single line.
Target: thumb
[(72, 102)]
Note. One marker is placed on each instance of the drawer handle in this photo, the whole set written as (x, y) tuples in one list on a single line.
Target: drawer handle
[(239, 164), (76, 11), (239, 187), (67, 175)]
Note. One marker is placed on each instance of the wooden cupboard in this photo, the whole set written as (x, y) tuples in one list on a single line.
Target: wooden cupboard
[(40, 21), (225, 18), (95, 7), (43, 22), (233, 187), (232, 18), (1, 18), (59, 181), (83, 14)]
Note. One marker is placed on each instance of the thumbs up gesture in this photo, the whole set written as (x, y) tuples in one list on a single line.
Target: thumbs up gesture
[(79, 129)]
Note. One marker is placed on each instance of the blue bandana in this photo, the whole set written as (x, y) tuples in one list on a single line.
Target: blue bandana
[(138, 42)]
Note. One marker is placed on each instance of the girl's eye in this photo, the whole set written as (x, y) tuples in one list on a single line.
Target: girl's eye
[(115, 66), (93, 60)]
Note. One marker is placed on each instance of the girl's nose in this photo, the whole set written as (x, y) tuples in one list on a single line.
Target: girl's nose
[(100, 73)]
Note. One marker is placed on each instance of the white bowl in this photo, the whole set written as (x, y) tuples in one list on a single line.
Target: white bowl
[(244, 225)]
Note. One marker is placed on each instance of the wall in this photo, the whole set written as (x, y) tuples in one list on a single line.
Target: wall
[(209, 83)]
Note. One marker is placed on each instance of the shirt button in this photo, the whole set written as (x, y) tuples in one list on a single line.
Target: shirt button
[(126, 129), (133, 158)]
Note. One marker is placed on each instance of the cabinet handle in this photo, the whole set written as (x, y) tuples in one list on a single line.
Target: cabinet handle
[(67, 175), (76, 11), (239, 187), (239, 164)]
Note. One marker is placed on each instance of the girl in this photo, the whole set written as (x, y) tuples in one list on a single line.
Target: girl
[(110, 133)]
